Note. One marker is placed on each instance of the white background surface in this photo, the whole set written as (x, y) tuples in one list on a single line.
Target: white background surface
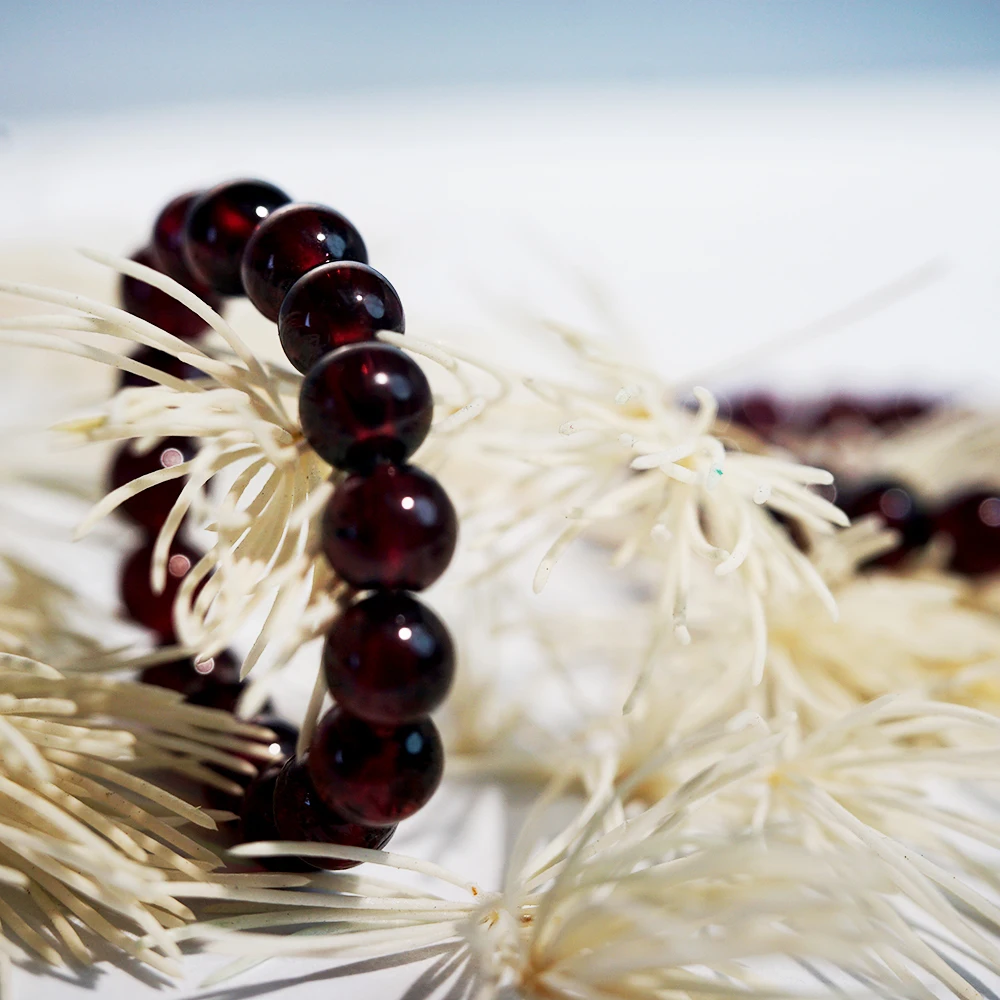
[(710, 218)]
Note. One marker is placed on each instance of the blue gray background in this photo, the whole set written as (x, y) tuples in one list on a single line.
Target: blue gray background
[(72, 56)]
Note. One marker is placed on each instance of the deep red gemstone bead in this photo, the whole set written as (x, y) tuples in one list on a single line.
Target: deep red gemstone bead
[(900, 509), (365, 402), (168, 237), (389, 659), (157, 307), (217, 228), (213, 683), (299, 814), (257, 820), (894, 414), (371, 774), (155, 611), (334, 305), (759, 411), (394, 529), (291, 241), (161, 361), (972, 522), (151, 507)]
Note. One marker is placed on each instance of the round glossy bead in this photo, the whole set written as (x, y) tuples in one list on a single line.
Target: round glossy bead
[(365, 402), (218, 225), (213, 683), (899, 508), (291, 241), (257, 820), (394, 529), (168, 237), (375, 775), (334, 305), (151, 507), (972, 522), (155, 611), (389, 659), (157, 307), (299, 814), (161, 361)]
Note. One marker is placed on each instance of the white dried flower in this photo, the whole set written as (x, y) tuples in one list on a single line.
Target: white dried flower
[(658, 901), (704, 851), (617, 457), (88, 846), (265, 558)]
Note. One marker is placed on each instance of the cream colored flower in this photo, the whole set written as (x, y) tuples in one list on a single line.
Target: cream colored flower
[(88, 844)]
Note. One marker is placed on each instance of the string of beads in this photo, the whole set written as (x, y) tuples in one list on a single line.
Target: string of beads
[(388, 531), (969, 520)]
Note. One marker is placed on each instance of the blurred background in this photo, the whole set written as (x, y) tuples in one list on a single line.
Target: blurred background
[(701, 176), (691, 179)]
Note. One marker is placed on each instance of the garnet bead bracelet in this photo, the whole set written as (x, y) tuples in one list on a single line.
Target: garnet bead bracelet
[(389, 528), (968, 523)]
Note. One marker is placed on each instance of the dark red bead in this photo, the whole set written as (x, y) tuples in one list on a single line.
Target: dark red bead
[(160, 360), (257, 820), (393, 529), (389, 659), (219, 223), (157, 307), (151, 507), (155, 611), (212, 683), (894, 414), (168, 238), (375, 775), (900, 509), (299, 814), (335, 305), (290, 242), (365, 402), (972, 522), (758, 411)]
